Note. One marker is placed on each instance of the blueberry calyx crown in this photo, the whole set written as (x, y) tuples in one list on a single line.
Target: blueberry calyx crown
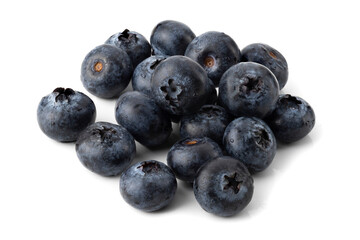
[(127, 36), (149, 166), (250, 83), (290, 100), (210, 111), (63, 93), (262, 138), (172, 91), (105, 133), (232, 182)]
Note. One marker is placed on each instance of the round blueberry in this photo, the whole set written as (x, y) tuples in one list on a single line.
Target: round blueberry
[(106, 71), (270, 58), (142, 74), (140, 115), (179, 85), (64, 113), (170, 38), (251, 141), (189, 154), (292, 119), (249, 89), (148, 185), (105, 148), (133, 43), (210, 121), (216, 52), (223, 186)]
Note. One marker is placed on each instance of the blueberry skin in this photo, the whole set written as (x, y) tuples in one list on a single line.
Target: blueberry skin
[(270, 58), (133, 43), (106, 71), (216, 52), (210, 121), (188, 155), (223, 186), (64, 113), (142, 74), (179, 85), (251, 141), (149, 185), (249, 89), (292, 119), (105, 148), (140, 115), (170, 38)]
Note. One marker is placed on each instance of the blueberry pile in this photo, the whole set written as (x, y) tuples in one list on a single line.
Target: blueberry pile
[(227, 134)]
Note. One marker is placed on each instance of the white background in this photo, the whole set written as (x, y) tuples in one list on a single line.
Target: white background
[(310, 191)]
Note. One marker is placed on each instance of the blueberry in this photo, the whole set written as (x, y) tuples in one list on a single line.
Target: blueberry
[(106, 71), (188, 155), (216, 52), (133, 43), (251, 141), (249, 89), (223, 186), (170, 38), (142, 74), (210, 121), (179, 85), (270, 58), (292, 119), (105, 148), (64, 113), (140, 115), (148, 185)]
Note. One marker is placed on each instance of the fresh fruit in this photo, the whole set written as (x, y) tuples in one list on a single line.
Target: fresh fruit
[(216, 52), (106, 71), (251, 141), (142, 74), (210, 121), (105, 148), (249, 89), (292, 119), (188, 155), (148, 185), (64, 113), (170, 38), (133, 43), (180, 86), (270, 58), (223, 186), (140, 115)]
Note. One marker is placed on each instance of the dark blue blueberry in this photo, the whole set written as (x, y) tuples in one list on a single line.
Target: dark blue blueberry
[(270, 58), (249, 89), (105, 148), (251, 141), (210, 121), (142, 74), (133, 43), (180, 86), (292, 119), (216, 52), (148, 185), (106, 71), (170, 38), (223, 186), (140, 115), (64, 113), (188, 155)]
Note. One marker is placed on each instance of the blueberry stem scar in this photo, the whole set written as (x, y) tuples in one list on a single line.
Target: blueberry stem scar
[(98, 66), (209, 61)]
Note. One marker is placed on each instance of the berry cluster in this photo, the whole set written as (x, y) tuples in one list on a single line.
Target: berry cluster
[(227, 134)]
